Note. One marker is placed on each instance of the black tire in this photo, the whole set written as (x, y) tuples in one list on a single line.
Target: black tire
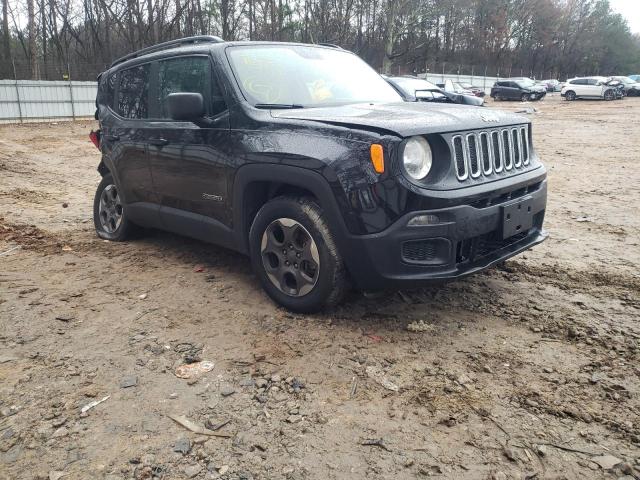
[(524, 97), (570, 95), (609, 95), (111, 223), (326, 286)]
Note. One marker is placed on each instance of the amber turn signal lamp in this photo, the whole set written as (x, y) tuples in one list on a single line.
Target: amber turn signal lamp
[(377, 157)]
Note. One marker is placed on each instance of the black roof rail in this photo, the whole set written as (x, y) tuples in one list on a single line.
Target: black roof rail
[(332, 45), (170, 44)]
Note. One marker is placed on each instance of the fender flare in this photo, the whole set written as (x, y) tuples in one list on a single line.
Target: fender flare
[(289, 175)]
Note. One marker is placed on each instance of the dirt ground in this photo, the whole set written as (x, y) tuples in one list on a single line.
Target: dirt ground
[(530, 371)]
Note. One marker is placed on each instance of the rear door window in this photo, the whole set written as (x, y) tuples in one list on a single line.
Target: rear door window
[(133, 92)]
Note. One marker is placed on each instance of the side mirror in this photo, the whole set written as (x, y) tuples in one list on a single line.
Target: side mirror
[(186, 106)]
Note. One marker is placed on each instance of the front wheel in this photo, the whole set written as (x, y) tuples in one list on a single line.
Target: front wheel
[(609, 95), (109, 216), (524, 97), (570, 96), (295, 256)]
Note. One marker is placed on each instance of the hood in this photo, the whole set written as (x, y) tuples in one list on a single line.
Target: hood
[(406, 118)]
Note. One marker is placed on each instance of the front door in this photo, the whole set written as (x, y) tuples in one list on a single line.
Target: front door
[(189, 160)]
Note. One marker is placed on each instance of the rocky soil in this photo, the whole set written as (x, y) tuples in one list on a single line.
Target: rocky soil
[(529, 371)]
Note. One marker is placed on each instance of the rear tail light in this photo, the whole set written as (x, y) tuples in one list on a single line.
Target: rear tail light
[(95, 138)]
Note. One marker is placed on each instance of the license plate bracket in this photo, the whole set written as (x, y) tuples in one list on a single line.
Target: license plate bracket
[(517, 217)]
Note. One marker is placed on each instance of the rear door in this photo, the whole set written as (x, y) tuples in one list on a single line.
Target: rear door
[(189, 161), (592, 88), (513, 91), (126, 137)]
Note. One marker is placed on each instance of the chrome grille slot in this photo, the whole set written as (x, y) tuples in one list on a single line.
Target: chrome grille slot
[(485, 150), (524, 133), (498, 155), (508, 151), (460, 155), (517, 147), (472, 148)]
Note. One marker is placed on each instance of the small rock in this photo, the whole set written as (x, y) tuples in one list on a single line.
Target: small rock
[(275, 378), (192, 470), (294, 418), (227, 390), (261, 383), (541, 450), (510, 454), (56, 474), (182, 445), (223, 469), (499, 476), (64, 205), (143, 296), (547, 370), (606, 462), (247, 382), (129, 381)]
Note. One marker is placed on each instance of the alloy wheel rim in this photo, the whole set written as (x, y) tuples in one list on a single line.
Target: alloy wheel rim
[(110, 210), (290, 257)]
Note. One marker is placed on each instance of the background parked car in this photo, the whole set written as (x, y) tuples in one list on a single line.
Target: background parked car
[(477, 91), (589, 87), (630, 86), (551, 85), (455, 87), (520, 88), (414, 89), (635, 78)]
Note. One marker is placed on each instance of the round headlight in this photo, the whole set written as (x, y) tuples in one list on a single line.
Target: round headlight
[(417, 158)]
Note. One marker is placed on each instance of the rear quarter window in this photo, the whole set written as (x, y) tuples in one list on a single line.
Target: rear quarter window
[(133, 92)]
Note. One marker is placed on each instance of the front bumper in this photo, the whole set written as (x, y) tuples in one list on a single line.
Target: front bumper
[(466, 239)]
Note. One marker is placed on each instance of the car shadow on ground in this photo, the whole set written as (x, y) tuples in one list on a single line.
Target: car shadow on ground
[(390, 309)]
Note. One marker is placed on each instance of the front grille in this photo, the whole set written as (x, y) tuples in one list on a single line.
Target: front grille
[(491, 152), (418, 251)]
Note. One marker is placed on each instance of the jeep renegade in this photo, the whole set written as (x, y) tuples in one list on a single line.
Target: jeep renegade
[(305, 159)]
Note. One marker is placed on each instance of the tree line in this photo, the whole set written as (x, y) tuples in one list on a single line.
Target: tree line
[(52, 39)]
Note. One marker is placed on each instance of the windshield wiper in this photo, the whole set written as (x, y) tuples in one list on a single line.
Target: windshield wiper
[(278, 105)]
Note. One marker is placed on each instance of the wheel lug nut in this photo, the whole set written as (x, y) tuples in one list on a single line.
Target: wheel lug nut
[(284, 251), (298, 255), (291, 246), (287, 263), (295, 265)]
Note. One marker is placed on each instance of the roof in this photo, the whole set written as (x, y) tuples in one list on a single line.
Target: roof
[(200, 43)]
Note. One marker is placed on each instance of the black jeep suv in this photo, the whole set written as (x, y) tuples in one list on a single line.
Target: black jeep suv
[(304, 158)]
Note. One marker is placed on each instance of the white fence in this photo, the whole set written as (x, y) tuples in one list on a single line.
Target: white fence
[(39, 100)]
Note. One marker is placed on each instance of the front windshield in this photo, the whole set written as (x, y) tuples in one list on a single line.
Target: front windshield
[(526, 83), (412, 85), (307, 76)]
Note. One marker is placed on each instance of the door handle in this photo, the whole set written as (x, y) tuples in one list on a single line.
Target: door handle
[(158, 142)]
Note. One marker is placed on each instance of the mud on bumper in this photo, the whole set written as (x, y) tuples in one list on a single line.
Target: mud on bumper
[(458, 241)]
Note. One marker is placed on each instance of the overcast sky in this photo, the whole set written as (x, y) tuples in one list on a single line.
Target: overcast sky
[(630, 9)]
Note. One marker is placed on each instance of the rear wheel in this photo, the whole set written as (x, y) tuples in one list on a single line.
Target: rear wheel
[(109, 217), (570, 95), (295, 256)]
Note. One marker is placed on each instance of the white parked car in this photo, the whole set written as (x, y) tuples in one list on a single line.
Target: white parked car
[(588, 87)]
